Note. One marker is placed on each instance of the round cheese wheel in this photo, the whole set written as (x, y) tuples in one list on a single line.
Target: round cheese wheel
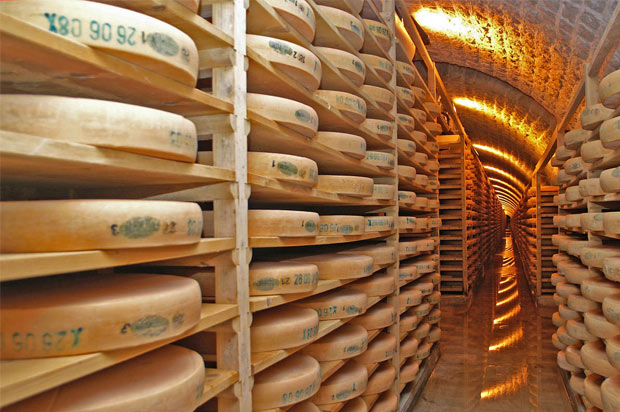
[(592, 385), (340, 266), (336, 304), (169, 378), (557, 320), (573, 355), (426, 288), (420, 116), (595, 255), (44, 317), (289, 381), (563, 363), (422, 309), (348, 382), (610, 180), (356, 5), (557, 342), (434, 335), (355, 405), (612, 348), (275, 278), (349, 144), (434, 128), (382, 254), (592, 221), (577, 384), (406, 196), (568, 313), (433, 108), (407, 222), (383, 97), (143, 40), (286, 112), (283, 327), (408, 248), (287, 57), (298, 14), (610, 133), (407, 172), (387, 402), (419, 93), (559, 300), (349, 65), (575, 247), (575, 138), (380, 159), (566, 289), (408, 321), (379, 284), (421, 180), (581, 303), (381, 348), (381, 380), (381, 65), (426, 245), (345, 342), (101, 123), (434, 278), (421, 331), (406, 70), (305, 407), (349, 27), (575, 272), (383, 129), (593, 116), (421, 158), (288, 168), (565, 337), (336, 225), (599, 326), (562, 153), (379, 223), (593, 151), (424, 350), (378, 316), (559, 257), (597, 289), (346, 185), (380, 32), (409, 371), (595, 359), (288, 223), (557, 278), (406, 95), (409, 346), (350, 105), (610, 394), (611, 268), (577, 329), (432, 165), (573, 220), (408, 272), (611, 222), (383, 192), (406, 146), (425, 266), (410, 297), (609, 89), (68, 225), (611, 308), (575, 166), (406, 122)]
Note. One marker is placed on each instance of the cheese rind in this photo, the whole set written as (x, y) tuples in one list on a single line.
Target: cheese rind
[(298, 14), (349, 144), (382, 96), (593, 151), (610, 133), (338, 225), (273, 278), (381, 65), (287, 168), (379, 31), (381, 380), (350, 105), (348, 382), (345, 342), (288, 113), (381, 348), (349, 65), (610, 180), (379, 223), (382, 254), (610, 394), (283, 327), (379, 284), (381, 128), (380, 159), (406, 146), (284, 223), (575, 138), (387, 402), (593, 116), (378, 316), (336, 304), (340, 266), (383, 191), (609, 89), (349, 27), (595, 359), (409, 370), (611, 308), (357, 186)]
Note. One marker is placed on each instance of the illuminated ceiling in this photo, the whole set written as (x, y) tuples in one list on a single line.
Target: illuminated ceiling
[(515, 64)]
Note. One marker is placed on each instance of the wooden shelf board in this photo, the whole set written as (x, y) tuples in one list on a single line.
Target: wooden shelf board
[(412, 208), (261, 242), (217, 381), (404, 184), (408, 161)]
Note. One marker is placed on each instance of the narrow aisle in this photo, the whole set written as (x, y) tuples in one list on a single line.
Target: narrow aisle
[(498, 355)]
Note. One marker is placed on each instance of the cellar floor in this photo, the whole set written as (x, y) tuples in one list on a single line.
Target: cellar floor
[(497, 356)]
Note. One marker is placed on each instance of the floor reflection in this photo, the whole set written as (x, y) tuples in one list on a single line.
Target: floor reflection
[(498, 355)]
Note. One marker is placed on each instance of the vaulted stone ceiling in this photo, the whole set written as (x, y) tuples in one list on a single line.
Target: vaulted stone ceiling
[(515, 64)]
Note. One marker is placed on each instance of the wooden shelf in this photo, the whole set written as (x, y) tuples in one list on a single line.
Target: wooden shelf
[(404, 184), (217, 381), (404, 159), (262, 242), (412, 208), (20, 379)]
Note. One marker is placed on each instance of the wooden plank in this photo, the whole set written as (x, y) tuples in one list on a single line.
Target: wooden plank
[(261, 242), (217, 381)]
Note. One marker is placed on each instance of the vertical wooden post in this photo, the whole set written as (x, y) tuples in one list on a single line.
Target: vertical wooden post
[(464, 261), (591, 83), (538, 236)]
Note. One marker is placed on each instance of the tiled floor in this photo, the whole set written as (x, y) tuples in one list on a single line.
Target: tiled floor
[(498, 356)]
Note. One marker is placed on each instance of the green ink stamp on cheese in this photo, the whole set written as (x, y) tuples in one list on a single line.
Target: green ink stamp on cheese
[(163, 44), (287, 168), (150, 326), (139, 227), (310, 226), (266, 284)]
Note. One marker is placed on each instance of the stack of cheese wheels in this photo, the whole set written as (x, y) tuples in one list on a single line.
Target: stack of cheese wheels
[(340, 266), (348, 382), (298, 14), (299, 63), (336, 225), (69, 225), (154, 132), (609, 90), (284, 223), (132, 309), (283, 327), (343, 343), (337, 304), (167, 379), (348, 144), (288, 113), (289, 381), (346, 185), (274, 278), (348, 26), (348, 65), (161, 47)]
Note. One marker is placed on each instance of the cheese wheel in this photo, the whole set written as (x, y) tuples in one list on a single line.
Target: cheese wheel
[(575, 166), (592, 221), (434, 278), (563, 177), (575, 138), (298, 14), (297, 62), (421, 202), (44, 317), (380, 159), (69, 225), (609, 90), (387, 402), (610, 393), (610, 180), (426, 245), (348, 144), (337, 225), (378, 316), (422, 310), (408, 272), (407, 222), (383, 129), (434, 128), (350, 105), (557, 342), (346, 185), (432, 165), (557, 278), (346, 383), (595, 359), (405, 121), (287, 168), (406, 196), (305, 407), (337, 304), (169, 378), (593, 151), (610, 133), (426, 288), (283, 327), (421, 180), (409, 371), (406, 95), (599, 326), (421, 331), (573, 221), (559, 300), (408, 248), (597, 289), (381, 65), (409, 346), (349, 27), (425, 266), (595, 255), (566, 289), (593, 116), (379, 284), (381, 34), (409, 297), (289, 381), (424, 350), (340, 266), (406, 146), (434, 335), (565, 337), (559, 257), (144, 40), (345, 342), (421, 158), (563, 363), (383, 192), (349, 65), (573, 355), (285, 223), (420, 116), (383, 97), (562, 153), (612, 348), (577, 384), (356, 5), (355, 405), (408, 321), (379, 223), (578, 330), (275, 278), (286, 112), (611, 308), (102, 124), (381, 380), (611, 268), (575, 272), (382, 254), (592, 385), (406, 70), (407, 172), (568, 313), (574, 247), (611, 222), (581, 303), (420, 93), (557, 320), (381, 348)]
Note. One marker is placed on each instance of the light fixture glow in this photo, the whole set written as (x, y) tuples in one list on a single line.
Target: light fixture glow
[(510, 298), (506, 156), (514, 189), (509, 386), (508, 341), (507, 175), (512, 313), (450, 24)]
